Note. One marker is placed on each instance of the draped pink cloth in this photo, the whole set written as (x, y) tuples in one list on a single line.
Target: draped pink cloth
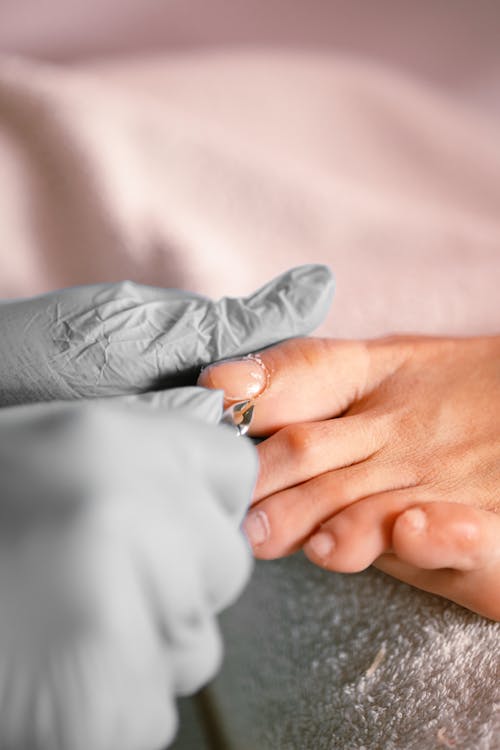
[(214, 169)]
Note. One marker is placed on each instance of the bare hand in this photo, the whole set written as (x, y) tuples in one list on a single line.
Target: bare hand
[(363, 432)]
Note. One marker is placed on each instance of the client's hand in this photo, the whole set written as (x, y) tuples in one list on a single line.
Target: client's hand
[(117, 339), (413, 443), (119, 541)]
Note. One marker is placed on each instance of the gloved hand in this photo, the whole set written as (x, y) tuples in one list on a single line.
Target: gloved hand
[(119, 541), (119, 528), (116, 339)]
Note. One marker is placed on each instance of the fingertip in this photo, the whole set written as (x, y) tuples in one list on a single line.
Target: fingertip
[(301, 296), (413, 521), (293, 304), (329, 551), (315, 285), (442, 535), (240, 379), (292, 381), (326, 550), (320, 547)]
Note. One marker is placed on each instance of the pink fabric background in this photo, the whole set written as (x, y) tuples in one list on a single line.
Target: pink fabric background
[(454, 43), (233, 151)]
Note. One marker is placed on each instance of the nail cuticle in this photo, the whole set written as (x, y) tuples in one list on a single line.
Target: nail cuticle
[(261, 378)]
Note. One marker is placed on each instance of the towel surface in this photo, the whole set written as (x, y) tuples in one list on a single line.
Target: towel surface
[(322, 661)]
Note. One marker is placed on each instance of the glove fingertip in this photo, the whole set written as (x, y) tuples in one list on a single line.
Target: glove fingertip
[(293, 304), (314, 287), (296, 302)]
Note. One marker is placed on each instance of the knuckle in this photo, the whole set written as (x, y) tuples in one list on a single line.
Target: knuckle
[(299, 442)]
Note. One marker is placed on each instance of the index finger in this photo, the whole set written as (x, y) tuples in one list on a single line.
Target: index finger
[(300, 380)]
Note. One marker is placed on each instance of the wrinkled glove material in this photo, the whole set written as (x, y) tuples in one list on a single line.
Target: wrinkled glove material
[(118, 339)]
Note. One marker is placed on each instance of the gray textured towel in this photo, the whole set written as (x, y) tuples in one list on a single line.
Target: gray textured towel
[(323, 661)]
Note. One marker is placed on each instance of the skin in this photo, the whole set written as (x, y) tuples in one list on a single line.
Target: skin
[(383, 452)]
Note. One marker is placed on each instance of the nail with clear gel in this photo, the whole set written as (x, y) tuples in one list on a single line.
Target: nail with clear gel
[(240, 379)]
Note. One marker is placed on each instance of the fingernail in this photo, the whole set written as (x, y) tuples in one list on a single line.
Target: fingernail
[(322, 544), (256, 527), (416, 519), (238, 378)]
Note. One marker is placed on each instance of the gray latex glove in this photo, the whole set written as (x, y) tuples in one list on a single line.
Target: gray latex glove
[(116, 339), (110, 518), (119, 541)]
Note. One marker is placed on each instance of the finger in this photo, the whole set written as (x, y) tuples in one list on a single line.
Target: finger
[(198, 662), (164, 556), (453, 552), (227, 464), (199, 403), (219, 461), (357, 535), (222, 552), (194, 563), (447, 535), (104, 441), (89, 691), (477, 590), (300, 452), (134, 442), (301, 380), (281, 523), (97, 666)]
